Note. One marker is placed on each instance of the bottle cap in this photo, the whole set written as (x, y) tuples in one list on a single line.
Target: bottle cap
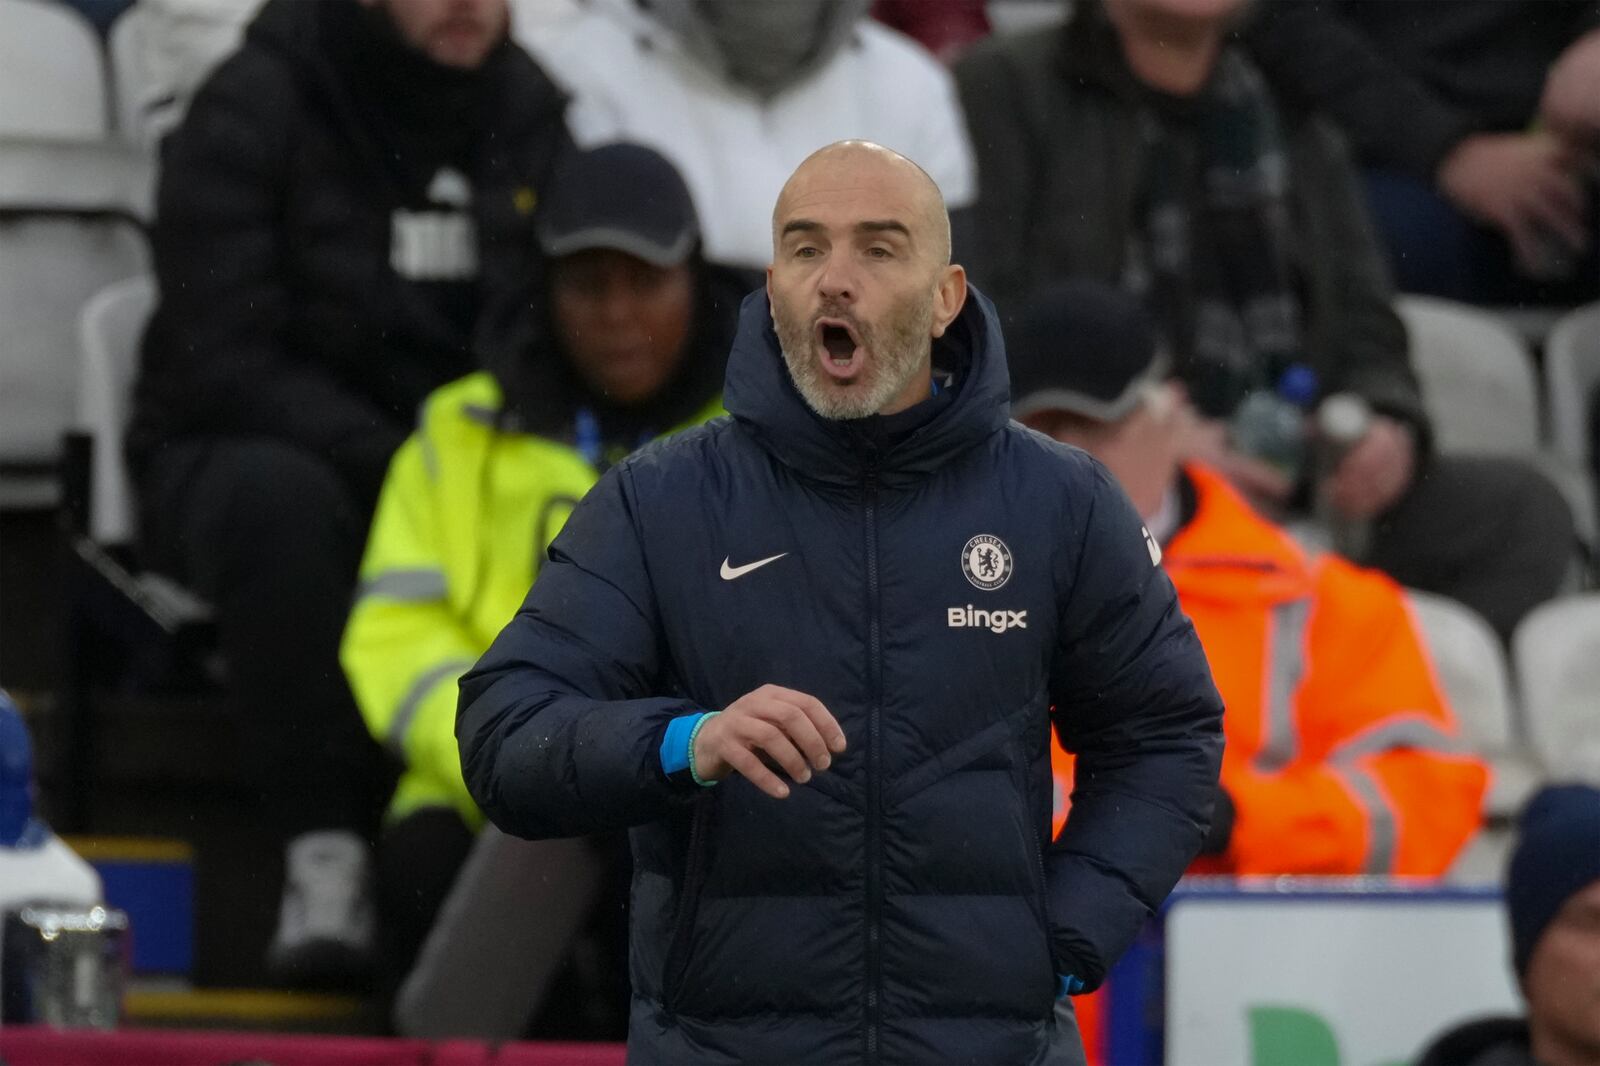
[(1343, 418), (1299, 385)]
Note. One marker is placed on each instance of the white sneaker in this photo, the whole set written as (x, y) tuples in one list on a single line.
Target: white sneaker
[(325, 924)]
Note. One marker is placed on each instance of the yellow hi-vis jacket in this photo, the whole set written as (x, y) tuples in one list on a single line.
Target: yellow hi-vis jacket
[(465, 516)]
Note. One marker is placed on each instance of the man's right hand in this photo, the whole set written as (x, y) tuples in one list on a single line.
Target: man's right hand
[(1523, 184), (793, 730)]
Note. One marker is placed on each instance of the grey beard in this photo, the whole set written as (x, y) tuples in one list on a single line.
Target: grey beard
[(893, 360)]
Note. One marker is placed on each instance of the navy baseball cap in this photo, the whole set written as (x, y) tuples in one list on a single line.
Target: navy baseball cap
[(1083, 347), (623, 197)]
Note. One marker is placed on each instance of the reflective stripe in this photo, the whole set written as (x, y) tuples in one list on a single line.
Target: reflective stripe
[(1380, 818), (1408, 732), (484, 416), (409, 586), (430, 458), (1286, 664), (412, 701)]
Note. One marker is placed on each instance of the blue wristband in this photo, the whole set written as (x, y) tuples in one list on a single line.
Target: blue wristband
[(1068, 985), (704, 718), (675, 745)]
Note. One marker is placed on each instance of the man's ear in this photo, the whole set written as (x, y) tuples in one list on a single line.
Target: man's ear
[(949, 297)]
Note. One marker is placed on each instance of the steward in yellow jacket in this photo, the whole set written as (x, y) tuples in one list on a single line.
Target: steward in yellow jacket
[(1342, 754), (639, 330), (465, 516)]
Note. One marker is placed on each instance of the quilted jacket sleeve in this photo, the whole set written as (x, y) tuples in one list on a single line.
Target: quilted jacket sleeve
[(1134, 701), (560, 723)]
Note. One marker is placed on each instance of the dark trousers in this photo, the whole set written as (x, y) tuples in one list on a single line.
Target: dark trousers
[(1492, 533), (272, 538)]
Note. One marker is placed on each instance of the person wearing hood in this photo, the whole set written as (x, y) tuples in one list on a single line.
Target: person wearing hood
[(1343, 755), (345, 216), (811, 656), (737, 93), (641, 329)]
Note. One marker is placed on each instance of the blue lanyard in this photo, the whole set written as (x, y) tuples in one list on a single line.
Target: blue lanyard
[(587, 439), (586, 430)]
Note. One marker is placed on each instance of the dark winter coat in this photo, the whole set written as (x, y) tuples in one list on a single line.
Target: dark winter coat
[(279, 210), (1059, 157), (908, 904)]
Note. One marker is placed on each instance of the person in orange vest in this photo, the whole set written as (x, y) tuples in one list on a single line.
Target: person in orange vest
[(1342, 754)]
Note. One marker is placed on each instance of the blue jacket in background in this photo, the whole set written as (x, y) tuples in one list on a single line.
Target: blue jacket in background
[(908, 905)]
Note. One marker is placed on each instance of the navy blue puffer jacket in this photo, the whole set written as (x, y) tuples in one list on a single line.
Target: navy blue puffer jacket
[(908, 904)]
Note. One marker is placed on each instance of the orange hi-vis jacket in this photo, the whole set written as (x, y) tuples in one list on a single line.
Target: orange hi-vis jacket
[(1343, 756)]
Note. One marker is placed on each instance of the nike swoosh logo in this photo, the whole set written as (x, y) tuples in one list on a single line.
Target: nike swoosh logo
[(731, 572)]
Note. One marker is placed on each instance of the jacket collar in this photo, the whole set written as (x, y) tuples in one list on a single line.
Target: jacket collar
[(1228, 552), (762, 397)]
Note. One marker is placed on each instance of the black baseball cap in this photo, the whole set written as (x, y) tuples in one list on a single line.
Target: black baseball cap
[(624, 197), (1083, 347)]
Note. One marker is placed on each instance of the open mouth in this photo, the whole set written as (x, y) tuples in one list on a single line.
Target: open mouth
[(839, 348)]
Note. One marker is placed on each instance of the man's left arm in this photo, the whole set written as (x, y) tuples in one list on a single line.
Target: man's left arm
[(1134, 701)]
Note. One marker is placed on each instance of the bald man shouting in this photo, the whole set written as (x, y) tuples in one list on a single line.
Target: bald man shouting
[(811, 655)]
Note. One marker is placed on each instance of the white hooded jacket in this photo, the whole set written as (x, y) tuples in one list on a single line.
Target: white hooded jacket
[(633, 77)]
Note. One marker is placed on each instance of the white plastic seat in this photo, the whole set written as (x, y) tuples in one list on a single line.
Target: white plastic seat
[(52, 76), (1480, 389), (1557, 653), (1471, 667), (68, 228), (161, 52), (1572, 374), (110, 328), (1478, 380)]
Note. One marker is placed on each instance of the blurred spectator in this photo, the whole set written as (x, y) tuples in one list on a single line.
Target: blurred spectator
[(1342, 755), (1135, 147), (176, 44), (1479, 121), (346, 210), (736, 94), (1553, 902), (946, 27), (642, 329)]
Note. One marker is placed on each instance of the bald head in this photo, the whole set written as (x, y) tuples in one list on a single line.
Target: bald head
[(910, 200)]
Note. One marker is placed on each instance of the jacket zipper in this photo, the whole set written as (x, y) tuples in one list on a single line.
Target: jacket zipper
[(874, 775), (677, 961)]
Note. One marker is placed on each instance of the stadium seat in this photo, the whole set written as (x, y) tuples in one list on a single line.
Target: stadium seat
[(69, 225), (109, 330), (1556, 649), (52, 78), (1472, 669), (1572, 374), (161, 51), (1478, 380), (1480, 388)]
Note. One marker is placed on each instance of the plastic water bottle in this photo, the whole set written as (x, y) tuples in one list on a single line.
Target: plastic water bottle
[(1271, 425), (1342, 420), (37, 868)]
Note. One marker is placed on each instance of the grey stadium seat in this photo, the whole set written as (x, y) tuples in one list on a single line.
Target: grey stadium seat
[(1480, 388), (52, 79), (1556, 649), (1468, 660), (68, 227), (109, 331)]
